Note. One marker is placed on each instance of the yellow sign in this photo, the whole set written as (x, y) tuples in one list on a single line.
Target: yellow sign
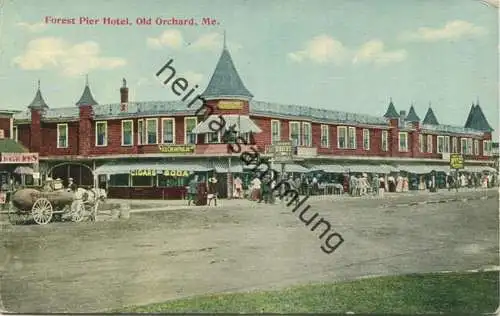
[(176, 149), (176, 173), (456, 161), (143, 173), (230, 105)]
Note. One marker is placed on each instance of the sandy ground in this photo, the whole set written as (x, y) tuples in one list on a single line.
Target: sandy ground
[(157, 256)]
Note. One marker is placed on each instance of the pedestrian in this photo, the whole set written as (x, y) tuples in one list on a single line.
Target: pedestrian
[(71, 185), (192, 189), (238, 187), (201, 192), (376, 184), (256, 183), (212, 191), (381, 189)]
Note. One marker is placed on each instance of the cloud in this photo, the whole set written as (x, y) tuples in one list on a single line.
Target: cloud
[(213, 42), (453, 30), (70, 59), (34, 28), (374, 52), (324, 49), (492, 3), (192, 77), (169, 38)]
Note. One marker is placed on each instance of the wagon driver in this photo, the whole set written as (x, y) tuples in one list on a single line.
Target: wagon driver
[(71, 185)]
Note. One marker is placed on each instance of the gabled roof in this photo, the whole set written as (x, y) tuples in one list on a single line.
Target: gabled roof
[(391, 111), (225, 81), (412, 115), (86, 98), (478, 121), (38, 102), (471, 112), (430, 118)]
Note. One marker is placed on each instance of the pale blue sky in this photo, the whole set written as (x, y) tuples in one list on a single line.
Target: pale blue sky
[(343, 55)]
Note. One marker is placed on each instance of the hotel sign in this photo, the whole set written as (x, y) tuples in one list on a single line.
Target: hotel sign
[(13, 158), (230, 105), (176, 149)]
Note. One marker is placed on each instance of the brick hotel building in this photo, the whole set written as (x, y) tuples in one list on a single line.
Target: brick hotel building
[(149, 149)]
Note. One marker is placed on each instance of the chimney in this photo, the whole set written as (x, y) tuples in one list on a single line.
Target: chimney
[(124, 92), (402, 117)]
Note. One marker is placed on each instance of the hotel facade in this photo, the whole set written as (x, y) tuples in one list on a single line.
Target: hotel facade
[(150, 149)]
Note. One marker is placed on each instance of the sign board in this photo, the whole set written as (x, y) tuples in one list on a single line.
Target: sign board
[(230, 105), (13, 158), (153, 172), (143, 173), (176, 149), (36, 175), (456, 161), (282, 151)]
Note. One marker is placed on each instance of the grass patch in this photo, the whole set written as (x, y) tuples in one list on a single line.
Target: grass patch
[(431, 293)]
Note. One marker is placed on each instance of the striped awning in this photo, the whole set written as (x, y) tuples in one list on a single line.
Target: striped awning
[(288, 168), (23, 170), (329, 168), (479, 169), (121, 168), (242, 123), (222, 166), (423, 169), (370, 168)]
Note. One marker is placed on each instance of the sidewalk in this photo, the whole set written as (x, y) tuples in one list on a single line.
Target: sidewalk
[(137, 206)]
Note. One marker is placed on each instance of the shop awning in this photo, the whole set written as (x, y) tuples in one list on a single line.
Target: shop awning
[(423, 169), (370, 168), (329, 168), (479, 169), (242, 124), (288, 168), (222, 166), (23, 170), (127, 168)]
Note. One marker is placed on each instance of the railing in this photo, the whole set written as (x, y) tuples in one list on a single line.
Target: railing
[(223, 148)]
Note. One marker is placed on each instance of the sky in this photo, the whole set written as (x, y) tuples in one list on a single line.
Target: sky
[(342, 55)]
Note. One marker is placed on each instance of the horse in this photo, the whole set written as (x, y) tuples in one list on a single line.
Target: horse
[(90, 198)]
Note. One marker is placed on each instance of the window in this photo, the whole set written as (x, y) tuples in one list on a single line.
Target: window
[(463, 143), (101, 133), (168, 131), (306, 127), (142, 181), (341, 137), (119, 180), (366, 139), (476, 147), (422, 140), (295, 133), (429, 143), (403, 141), (469, 146), (275, 131), (140, 132), (325, 136), (454, 145), (440, 144), (352, 137), (446, 144), (127, 133), (189, 124), (152, 131), (385, 137), (62, 135), (212, 138), (15, 133), (486, 147)]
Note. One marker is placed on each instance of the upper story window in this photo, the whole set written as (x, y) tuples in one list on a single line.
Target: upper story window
[(403, 141), (141, 132), (15, 134), (213, 138), (366, 139), (275, 131), (422, 140), (127, 133), (454, 145), (476, 147), (341, 137), (325, 136), (385, 141), (295, 133), (189, 124), (168, 131), (351, 135), (446, 147), (429, 144), (469, 146), (440, 144), (101, 133), (62, 135), (152, 131), (307, 134), (487, 150), (463, 147)]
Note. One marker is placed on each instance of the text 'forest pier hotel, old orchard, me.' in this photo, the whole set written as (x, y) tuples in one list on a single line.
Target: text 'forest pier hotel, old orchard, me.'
[(234, 142)]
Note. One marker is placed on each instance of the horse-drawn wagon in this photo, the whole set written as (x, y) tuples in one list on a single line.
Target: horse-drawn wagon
[(45, 206)]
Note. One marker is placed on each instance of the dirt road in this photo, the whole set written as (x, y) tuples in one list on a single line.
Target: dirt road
[(156, 256)]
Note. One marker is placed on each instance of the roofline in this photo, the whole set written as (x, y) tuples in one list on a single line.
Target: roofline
[(228, 97)]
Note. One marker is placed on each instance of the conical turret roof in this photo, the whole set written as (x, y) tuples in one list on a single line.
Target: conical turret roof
[(471, 113), (391, 111), (38, 101), (225, 81), (86, 98), (478, 121), (430, 118), (412, 116)]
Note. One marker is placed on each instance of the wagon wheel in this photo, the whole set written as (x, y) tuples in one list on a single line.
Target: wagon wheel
[(16, 217), (42, 211), (77, 212)]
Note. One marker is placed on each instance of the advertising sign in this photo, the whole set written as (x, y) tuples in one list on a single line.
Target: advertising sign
[(13, 158), (456, 161), (230, 105), (282, 150), (176, 149)]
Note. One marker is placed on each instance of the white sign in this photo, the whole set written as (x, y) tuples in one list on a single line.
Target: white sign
[(19, 158), (36, 175)]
